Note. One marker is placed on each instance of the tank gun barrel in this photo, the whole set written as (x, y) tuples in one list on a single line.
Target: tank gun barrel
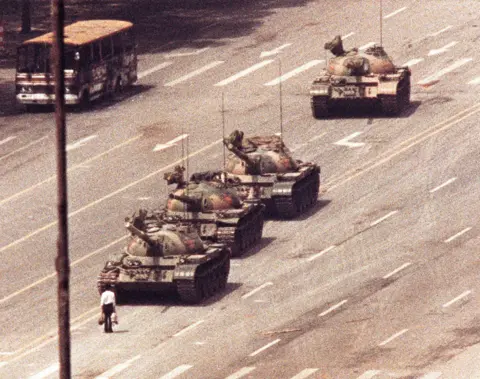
[(185, 199), (137, 232), (239, 153)]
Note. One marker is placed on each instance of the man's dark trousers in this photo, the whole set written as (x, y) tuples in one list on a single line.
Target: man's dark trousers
[(108, 310)]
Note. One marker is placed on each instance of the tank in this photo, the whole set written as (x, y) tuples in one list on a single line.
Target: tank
[(162, 258), (264, 164), (360, 77), (215, 209)]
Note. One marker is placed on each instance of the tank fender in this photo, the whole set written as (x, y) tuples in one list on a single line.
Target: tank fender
[(282, 189), (320, 89), (387, 88), (208, 230), (185, 272)]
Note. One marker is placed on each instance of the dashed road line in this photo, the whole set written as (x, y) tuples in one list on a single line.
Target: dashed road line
[(275, 51), (48, 371), (475, 81), (394, 13), (390, 214), (8, 139), (176, 372), (348, 35), (118, 368), (166, 145), (188, 328), (333, 307), (366, 46), (294, 72), (441, 31), (369, 374), (459, 297), (256, 352), (79, 143), (194, 73), (153, 69), (431, 375), (22, 148), (397, 270), (241, 373), (187, 53), (305, 373), (321, 253), (432, 79), (413, 62), (247, 295), (390, 339), (442, 50), (449, 181), (457, 235), (243, 73)]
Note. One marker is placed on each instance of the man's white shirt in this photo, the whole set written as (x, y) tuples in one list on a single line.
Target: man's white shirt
[(108, 297)]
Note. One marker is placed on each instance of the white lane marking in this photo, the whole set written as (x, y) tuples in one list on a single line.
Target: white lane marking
[(80, 165), (274, 51), (443, 185), (118, 368), (48, 371), (176, 372), (294, 72), (346, 141), (348, 35), (186, 54), (190, 327), (264, 347), (243, 73), (3, 364), (457, 235), (431, 375), (257, 289), (397, 270), (383, 218), (441, 31), (475, 81), (192, 74), (8, 139), (321, 253), (79, 143), (241, 373), (369, 374), (7, 353), (199, 343), (162, 146), (413, 62), (394, 13), (366, 46), (442, 50), (432, 79), (23, 148), (459, 297), (393, 337), (305, 373), (333, 307), (153, 69)]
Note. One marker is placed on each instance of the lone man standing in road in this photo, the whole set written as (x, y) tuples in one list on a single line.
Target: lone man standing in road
[(107, 304)]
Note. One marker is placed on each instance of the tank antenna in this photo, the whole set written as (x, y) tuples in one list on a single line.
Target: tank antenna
[(280, 92), (186, 164), (223, 129), (381, 22)]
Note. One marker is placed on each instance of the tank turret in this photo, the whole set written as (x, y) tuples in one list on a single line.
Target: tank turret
[(253, 165)]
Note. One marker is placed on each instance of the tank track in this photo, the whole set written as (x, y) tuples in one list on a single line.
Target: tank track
[(319, 106), (242, 237), (304, 195), (393, 105), (210, 278), (105, 278)]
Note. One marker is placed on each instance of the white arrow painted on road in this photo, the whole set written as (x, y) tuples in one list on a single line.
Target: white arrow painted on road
[(274, 51), (346, 141), (186, 54), (443, 49), (162, 146), (8, 139), (79, 143)]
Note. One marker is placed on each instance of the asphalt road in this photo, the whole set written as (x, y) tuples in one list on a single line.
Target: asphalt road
[(379, 280)]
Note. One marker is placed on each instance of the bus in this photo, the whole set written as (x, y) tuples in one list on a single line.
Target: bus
[(100, 60)]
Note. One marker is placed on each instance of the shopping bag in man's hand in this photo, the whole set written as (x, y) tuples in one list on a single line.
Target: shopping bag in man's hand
[(114, 318), (101, 319)]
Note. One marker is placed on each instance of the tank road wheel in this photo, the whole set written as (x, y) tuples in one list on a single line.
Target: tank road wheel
[(190, 291), (319, 106), (224, 271), (393, 105)]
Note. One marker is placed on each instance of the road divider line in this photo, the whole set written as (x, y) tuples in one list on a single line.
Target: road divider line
[(459, 297), (23, 148), (305, 373), (8, 139), (370, 374), (294, 72), (394, 13), (443, 185), (177, 371), (321, 253), (475, 81), (457, 235), (166, 145), (264, 347), (114, 193), (413, 62), (241, 373), (247, 295), (194, 73), (154, 69), (48, 371), (118, 368), (390, 214), (333, 307), (431, 375), (79, 143), (396, 335), (80, 165), (441, 31), (432, 79), (188, 328), (243, 73), (397, 270), (443, 49)]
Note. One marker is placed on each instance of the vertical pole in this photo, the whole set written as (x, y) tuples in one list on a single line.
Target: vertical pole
[(381, 23), (62, 261), (26, 17), (223, 129), (280, 90)]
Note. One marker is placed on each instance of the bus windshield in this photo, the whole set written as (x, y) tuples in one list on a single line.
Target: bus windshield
[(35, 58)]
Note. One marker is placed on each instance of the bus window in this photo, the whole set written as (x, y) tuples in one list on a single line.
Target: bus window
[(117, 44), (96, 57), (106, 48), (33, 58)]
